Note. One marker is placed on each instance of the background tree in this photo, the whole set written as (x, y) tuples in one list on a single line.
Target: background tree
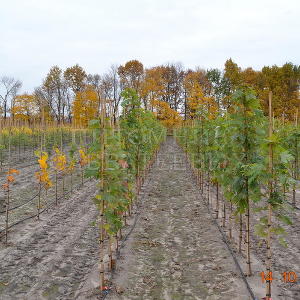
[(168, 116), (152, 87), (74, 82), (54, 92), (25, 107), (9, 87), (284, 83), (85, 106), (76, 78), (131, 74)]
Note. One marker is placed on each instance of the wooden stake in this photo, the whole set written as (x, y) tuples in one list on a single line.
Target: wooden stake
[(269, 254), (241, 233)]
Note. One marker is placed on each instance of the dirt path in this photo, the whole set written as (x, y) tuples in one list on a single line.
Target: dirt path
[(52, 256), (175, 250)]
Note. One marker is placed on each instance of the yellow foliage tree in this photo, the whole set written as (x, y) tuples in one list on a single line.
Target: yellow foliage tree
[(168, 116), (43, 175), (152, 87), (24, 107), (196, 101), (85, 106)]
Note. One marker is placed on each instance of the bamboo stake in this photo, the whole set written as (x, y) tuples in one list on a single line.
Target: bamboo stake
[(56, 196), (217, 201), (39, 201), (7, 215), (296, 161), (224, 213), (249, 270), (269, 254), (230, 221), (102, 159), (241, 233)]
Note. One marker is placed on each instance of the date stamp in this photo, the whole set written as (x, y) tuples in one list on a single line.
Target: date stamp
[(287, 277)]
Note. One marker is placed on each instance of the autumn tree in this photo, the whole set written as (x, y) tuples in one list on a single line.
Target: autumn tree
[(85, 106), (152, 87), (75, 78), (196, 99), (163, 83), (54, 92), (25, 107), (168, 116), (74, 81), (284, 83), (131, 74)]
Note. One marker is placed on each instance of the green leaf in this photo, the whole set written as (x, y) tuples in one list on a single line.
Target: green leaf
[(283, 242), (285, 219)]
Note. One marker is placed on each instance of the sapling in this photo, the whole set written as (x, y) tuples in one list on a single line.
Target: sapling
[(42, 176), (6, 186)]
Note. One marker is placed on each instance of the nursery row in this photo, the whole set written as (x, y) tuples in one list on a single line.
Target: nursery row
[(120, 159), (251, 161), (19, 143)]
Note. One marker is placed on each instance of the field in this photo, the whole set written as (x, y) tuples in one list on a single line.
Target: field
[(206, 210), (173, 241)]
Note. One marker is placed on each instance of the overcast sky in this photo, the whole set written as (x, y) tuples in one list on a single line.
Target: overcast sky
[(37, 34)]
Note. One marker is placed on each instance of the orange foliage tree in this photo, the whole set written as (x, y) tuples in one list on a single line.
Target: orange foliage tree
[(168, 116)]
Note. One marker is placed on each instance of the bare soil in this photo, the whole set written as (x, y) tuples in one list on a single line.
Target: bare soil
[(173, 249)]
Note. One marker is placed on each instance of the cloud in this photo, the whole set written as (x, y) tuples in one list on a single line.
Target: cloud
[(35, 35)]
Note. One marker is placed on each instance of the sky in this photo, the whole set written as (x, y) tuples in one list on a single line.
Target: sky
[(38, 34)]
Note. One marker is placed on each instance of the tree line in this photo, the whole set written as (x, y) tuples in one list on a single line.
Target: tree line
[(170, 90)]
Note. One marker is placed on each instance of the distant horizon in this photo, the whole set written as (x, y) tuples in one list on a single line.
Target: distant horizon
[(24, 90)]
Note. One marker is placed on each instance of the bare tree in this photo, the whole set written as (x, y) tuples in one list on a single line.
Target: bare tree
[(112, 86), (108, 88), (9, 87)]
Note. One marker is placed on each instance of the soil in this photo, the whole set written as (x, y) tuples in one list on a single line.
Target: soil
[(173, 249), (48, 259)]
